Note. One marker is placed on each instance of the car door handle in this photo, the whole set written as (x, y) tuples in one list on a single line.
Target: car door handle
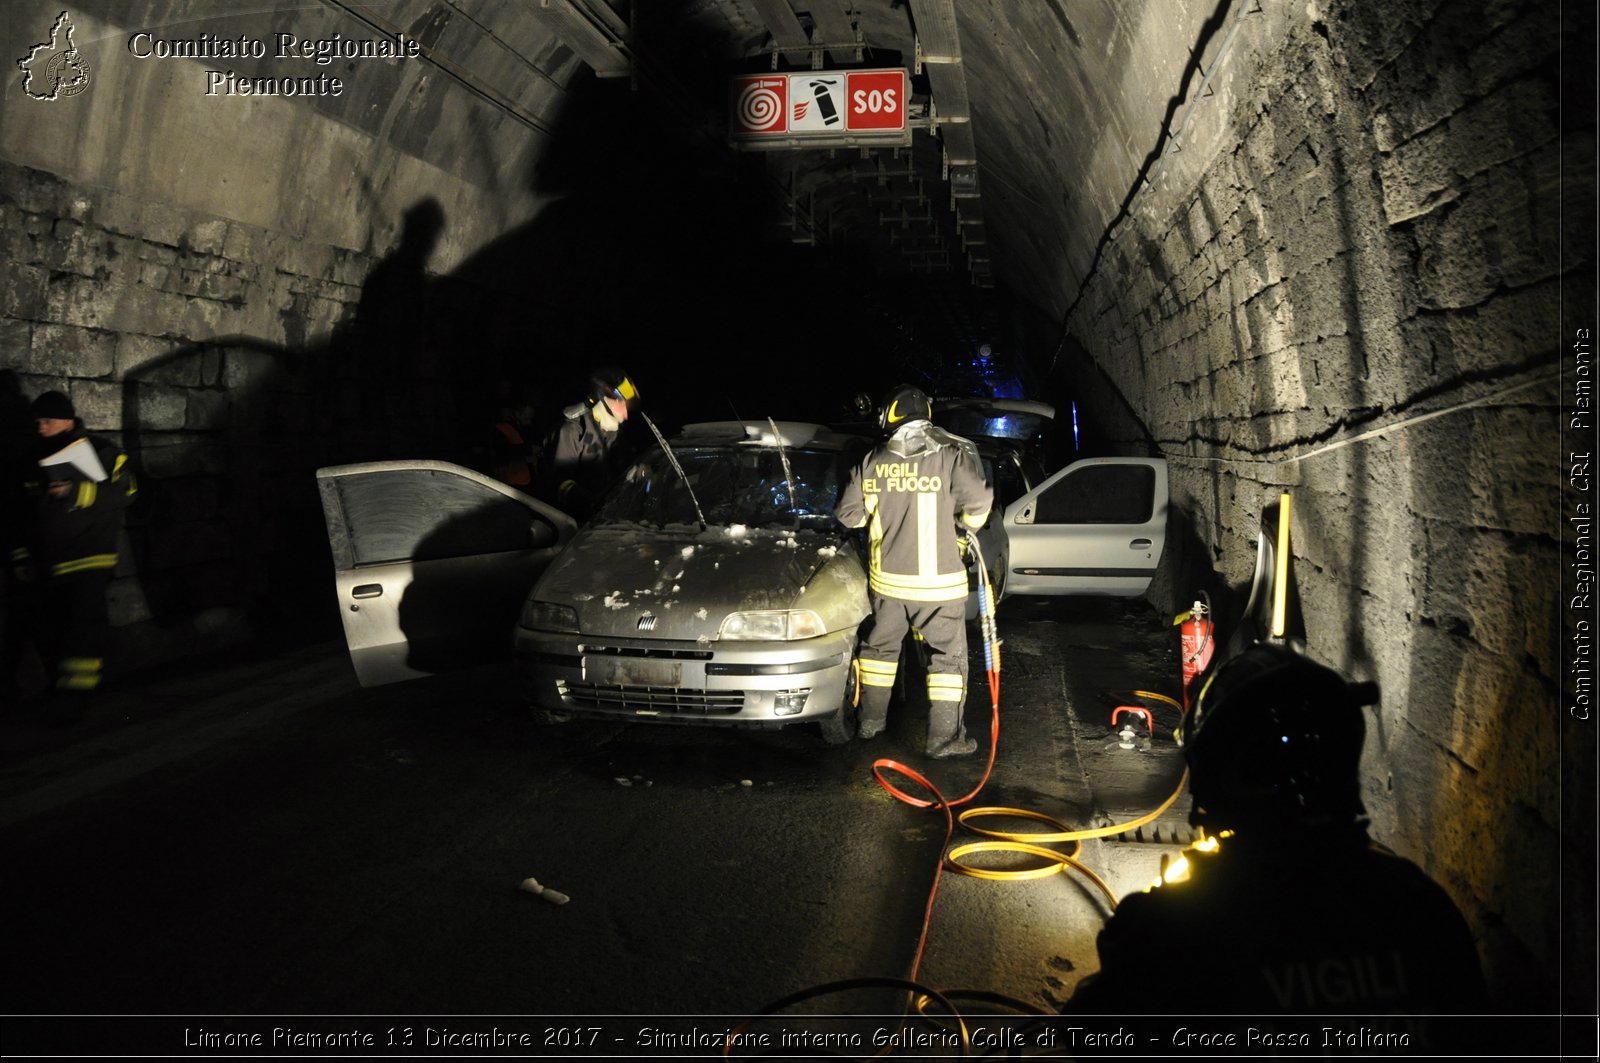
[(1140, 544), (367, 590)]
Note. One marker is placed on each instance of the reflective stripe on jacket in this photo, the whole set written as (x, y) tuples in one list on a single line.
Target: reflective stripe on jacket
[(909, 494)]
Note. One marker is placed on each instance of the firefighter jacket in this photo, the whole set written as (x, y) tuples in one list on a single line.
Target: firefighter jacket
[(909, 493), (76, 532), (581, 459)]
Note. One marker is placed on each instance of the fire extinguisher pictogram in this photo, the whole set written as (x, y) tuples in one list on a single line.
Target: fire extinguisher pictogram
[(1196, 632)]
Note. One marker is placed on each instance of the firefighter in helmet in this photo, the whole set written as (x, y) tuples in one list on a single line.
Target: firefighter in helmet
[(584, 455), (910, 492), (1288, 907)]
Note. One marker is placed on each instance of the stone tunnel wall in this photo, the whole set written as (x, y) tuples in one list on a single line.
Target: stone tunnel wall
[(1356, 299), (242, 289)]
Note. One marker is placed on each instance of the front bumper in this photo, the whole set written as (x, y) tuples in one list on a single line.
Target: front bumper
[(729, 684)]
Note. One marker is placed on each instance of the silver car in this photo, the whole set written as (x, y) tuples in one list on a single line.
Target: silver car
[(713, 587)]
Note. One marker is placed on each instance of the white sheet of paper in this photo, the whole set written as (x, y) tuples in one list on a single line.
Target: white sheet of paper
[(80, 455)]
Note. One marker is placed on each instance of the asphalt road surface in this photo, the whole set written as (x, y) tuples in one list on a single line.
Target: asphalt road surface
[(266, 838)]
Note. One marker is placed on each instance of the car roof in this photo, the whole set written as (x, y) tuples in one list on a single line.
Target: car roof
[(760, 433)]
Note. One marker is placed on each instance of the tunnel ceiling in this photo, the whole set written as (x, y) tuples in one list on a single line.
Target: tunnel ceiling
[(1003, 96), (911, 207), (1029, 128)]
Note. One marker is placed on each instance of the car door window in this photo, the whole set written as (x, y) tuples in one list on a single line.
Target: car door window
[(1008, 482), (1100, 494), (429, 514)]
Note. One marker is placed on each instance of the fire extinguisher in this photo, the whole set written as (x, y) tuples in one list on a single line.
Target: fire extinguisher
[(1196, 632)]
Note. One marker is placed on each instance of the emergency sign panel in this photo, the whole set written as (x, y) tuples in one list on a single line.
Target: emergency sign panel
[(818, 108)]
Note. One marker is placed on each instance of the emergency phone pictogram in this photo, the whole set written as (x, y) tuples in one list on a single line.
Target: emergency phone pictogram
[(877, 100)]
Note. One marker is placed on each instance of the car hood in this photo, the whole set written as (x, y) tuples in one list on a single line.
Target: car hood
[(690, 579)]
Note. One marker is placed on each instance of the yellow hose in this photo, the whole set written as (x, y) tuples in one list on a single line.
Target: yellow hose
[(1027, 842)]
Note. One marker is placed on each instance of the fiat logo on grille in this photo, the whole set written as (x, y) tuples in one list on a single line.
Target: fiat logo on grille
[(647, 622)]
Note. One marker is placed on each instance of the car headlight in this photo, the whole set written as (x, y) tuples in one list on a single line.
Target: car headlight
[(548, 616), (770, 625)]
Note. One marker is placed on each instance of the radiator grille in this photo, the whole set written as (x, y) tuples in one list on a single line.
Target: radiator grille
[(684, 701)]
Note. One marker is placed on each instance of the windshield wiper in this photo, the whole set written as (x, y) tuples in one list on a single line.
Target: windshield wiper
[(788, 474), (673, 458)]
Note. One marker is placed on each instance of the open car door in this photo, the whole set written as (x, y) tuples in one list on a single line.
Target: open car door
[(1096, 527), (432, 563)]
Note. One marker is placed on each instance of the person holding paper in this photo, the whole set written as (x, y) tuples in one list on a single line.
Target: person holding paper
[(69, 548)]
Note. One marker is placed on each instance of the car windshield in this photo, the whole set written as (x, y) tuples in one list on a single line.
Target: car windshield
[(734, 485)]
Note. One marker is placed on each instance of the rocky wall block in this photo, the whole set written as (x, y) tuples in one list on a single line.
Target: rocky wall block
[(1501, 465), (71, 351), (1460, 57), (157, 407), (17, 246), (22, 291), (1504, 601), (1426, 172), (74, 248), (208, 410), (1506, 330), (99, 403), (305, 259), (246, 369), (156, 275), (35, 191), (207, 236), (172, 454), (16, 346), (149, 358), (204, 318), (247, 243), (130, 308), (75, 300), (142, 219)]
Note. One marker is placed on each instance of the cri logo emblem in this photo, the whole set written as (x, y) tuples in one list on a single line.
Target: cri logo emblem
[(64, 72)]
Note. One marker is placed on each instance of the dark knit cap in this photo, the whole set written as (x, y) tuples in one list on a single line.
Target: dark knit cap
[(54, 405)]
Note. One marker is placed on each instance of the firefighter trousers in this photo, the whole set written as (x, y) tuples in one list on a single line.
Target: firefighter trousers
[(943, 628), (74, 630)]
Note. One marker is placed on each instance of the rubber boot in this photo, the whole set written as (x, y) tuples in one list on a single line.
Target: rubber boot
[(947, 737), (874, 710)]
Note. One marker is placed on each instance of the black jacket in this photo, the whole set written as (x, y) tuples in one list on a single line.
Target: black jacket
[(78, 531)]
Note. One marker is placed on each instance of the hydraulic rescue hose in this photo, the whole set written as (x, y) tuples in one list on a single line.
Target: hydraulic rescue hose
[(919, 997), (1028, 843)]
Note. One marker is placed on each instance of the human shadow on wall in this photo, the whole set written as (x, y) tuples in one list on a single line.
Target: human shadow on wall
[(226, 435), (650, 251), (224, 438)]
